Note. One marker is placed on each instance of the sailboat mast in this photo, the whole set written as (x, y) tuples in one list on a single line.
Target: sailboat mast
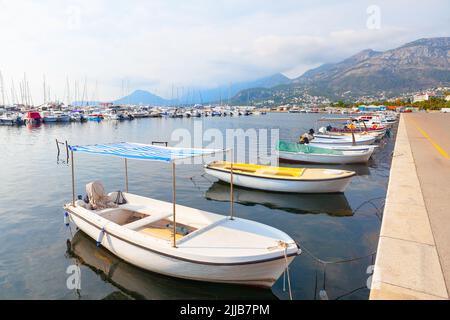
[(2, 89), (45, 95), (68, 91), (13, 94)]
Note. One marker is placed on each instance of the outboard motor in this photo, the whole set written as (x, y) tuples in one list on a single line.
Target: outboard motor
[(307, 137)]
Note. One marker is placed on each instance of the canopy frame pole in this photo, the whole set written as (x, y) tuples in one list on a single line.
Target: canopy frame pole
[(231, 187), (126, 175), (174, 196), (73, 178)]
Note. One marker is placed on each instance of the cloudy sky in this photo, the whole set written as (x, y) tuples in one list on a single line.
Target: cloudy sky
[(155, 44)]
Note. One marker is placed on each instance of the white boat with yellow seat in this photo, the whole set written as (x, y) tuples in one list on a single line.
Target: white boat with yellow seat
[(177, 240), (281, 179)]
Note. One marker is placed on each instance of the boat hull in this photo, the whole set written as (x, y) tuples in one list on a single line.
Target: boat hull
[(279, 185), (8, 122), (261, 274), (348, 157), (50, 119), (342, 140), (63, 118)]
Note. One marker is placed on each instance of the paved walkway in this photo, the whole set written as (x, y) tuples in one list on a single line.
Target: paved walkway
[(429, 135), (413, 257)]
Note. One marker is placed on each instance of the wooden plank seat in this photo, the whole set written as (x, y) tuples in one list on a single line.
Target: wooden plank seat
[(146, 221)]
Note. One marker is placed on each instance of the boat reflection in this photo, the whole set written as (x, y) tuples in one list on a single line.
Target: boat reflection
[(334, 204), (141, 284)]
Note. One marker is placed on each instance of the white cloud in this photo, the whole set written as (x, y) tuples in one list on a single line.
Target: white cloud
[(155, 44)]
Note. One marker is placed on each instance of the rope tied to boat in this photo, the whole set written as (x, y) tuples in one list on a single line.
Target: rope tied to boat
[(284, 245)]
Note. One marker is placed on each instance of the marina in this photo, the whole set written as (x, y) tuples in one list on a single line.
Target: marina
[(328, 228), (224, 158)]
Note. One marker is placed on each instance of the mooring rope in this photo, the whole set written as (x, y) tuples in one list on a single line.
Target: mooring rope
[(285, 245)]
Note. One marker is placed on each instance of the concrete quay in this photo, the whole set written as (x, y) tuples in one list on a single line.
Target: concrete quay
[(413, 256)]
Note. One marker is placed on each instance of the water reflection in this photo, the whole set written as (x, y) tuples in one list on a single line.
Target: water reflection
[(141, 284), (331, 204)]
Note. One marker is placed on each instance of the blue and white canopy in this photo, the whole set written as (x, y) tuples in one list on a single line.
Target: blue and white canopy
[(140, 151)]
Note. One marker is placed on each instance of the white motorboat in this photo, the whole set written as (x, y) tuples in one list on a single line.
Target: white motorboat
[(281, 179), (155, 114), (312, 154), (11, 119), (177, 240), (61, 116), (345, 140), (336, 138), (49, 117), (346, 148)]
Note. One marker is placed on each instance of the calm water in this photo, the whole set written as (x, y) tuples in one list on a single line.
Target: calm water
[(34, 185)]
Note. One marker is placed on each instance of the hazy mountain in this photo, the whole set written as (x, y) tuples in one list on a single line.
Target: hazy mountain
[(142, 97), (203, 95), (412, 67), (228, 91)]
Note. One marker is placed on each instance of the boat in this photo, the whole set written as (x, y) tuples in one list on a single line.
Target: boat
[(141, 284), (77, 116), (95, 117), (355, 129), (309, 153), (11, 119), (334, 204), (155, 114), (48, 117), (140, 114), (114, 115), (33, 117), (281, 179), (336, 138), (61, 116), (176, 240), (344, 140), (347, 148)]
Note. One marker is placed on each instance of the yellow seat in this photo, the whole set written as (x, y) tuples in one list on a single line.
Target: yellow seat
[(264, 170)]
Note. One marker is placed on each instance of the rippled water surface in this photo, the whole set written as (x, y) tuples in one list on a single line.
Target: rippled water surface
[(35, 184)]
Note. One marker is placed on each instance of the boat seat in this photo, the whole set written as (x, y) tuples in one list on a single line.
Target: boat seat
[(137, 208), (145, 221)]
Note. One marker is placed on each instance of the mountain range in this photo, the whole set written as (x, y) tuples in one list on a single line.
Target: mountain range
[(222, 93), (415, 66)]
